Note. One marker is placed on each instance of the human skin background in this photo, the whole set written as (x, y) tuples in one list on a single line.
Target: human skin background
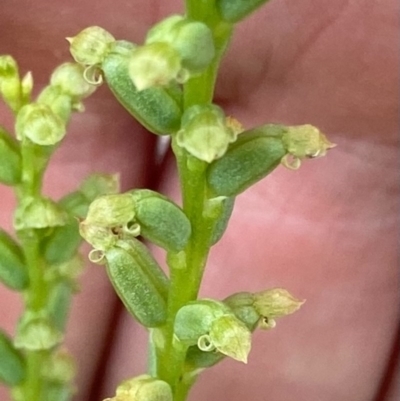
[(328, 232)]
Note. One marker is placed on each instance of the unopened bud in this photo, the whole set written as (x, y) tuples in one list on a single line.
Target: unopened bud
[(69, 77), (91, 45), (304, 141), (40, 213), (59, 368), (193, 40), (35, 332), (204, 132), (155, 64), (276, 302), (143, 388), (111, 210), (10, 86), (212, 325), (59, 103), (101, 238), (40, 124), (231, 337)]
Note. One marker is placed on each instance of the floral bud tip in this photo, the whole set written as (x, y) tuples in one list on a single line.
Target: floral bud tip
[(275, 303), (111, 210), (91, 45), (155, 64), (304, 141)]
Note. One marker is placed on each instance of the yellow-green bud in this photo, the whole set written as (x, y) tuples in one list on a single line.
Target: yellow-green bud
[(59, 368), (276, 302), (35, 332), (204, 132), (60, 103), (155, 64), (212, 326), (111, 210), (143, 388), (101, 238), (231, 337), (10, 85), (304, 141), (262, 308), (40, 124), (91, 45), (34, 213), (69, 77), (193, 40)]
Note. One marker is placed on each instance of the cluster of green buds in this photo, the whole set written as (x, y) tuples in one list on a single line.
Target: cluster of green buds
[(215, 329), (111, 226)]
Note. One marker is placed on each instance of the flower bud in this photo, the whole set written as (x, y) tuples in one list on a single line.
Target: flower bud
[(193, 40), (59, 103), (155, 64), (40, 124), (304, 141), (69, 77), (34, 213), (231, 337), (35, 332), (211, 325), (10, 86), (143, 388), (262, 308), (59, 368), (99, 184), (91, 45), (101, 238), (204, 132), (276, 302), (111, 210)]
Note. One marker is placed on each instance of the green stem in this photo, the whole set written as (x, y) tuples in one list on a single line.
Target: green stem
[(186, 277), (34, 161)]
